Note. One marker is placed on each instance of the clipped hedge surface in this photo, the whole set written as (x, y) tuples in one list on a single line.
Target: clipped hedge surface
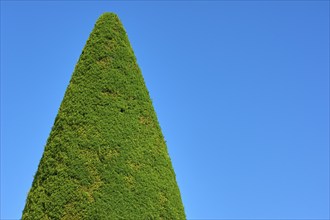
[(106, 157)]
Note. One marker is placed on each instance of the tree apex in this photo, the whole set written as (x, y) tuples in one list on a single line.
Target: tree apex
[(109, 15)]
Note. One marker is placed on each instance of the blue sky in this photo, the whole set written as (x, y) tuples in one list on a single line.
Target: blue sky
[(241, 90)]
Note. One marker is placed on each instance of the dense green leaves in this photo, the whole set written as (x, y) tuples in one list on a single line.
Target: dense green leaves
[(105, 157)]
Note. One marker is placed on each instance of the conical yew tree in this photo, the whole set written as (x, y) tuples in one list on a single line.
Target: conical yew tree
[(106, 156)]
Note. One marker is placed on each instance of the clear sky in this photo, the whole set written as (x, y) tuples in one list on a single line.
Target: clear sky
[(241, 90)]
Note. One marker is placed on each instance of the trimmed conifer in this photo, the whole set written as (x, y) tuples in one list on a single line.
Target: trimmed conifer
[(106, 157)]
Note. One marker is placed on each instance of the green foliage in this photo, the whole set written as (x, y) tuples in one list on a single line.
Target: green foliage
[(106, 157)]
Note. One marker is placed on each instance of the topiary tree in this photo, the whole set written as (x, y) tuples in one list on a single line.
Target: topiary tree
[(106, 156)]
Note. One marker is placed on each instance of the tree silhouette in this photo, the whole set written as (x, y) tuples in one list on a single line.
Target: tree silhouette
[(106, 157)]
